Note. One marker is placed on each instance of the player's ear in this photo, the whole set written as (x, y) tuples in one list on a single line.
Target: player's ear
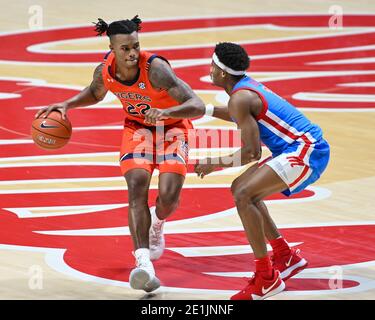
[(110, 47)]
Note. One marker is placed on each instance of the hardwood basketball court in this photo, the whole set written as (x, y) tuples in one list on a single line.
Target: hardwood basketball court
[(64, 213)]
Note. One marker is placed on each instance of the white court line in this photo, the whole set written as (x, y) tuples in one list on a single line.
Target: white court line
[(55, 259), (334, 97), (170, 226), (54, 211)]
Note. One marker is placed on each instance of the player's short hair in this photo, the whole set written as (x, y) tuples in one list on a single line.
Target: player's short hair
[(118, 27), (232, 55)]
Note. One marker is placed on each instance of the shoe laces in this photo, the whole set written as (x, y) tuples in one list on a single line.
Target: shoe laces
[(250, 281), (292, 251), (145, 264), (157, 230), (141, 262), (272, 259)]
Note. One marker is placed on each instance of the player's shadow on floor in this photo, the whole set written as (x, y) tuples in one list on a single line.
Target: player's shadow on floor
[(118, 274), (150, 296)]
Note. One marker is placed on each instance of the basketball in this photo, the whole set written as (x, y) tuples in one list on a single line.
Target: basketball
[(52, 132)]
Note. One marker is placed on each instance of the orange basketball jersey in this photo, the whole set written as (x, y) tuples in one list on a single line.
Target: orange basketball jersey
[(137, 96)]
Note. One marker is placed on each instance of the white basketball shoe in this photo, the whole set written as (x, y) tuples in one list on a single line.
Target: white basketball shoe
[(143, 276)]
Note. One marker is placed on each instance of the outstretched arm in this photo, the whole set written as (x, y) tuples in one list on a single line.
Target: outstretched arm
[(92, 94), (222, 113), (162, 77), (239, 108)]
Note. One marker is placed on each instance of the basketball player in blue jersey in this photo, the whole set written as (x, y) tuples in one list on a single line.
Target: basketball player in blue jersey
[(299, 156)]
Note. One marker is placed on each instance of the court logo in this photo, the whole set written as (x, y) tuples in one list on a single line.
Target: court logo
[(62, 217)]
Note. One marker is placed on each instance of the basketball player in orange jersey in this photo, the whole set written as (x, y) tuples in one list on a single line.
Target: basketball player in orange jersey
[(149, 92)]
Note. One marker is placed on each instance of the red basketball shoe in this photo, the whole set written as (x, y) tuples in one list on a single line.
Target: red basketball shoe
[(259, 288), (289, 264)]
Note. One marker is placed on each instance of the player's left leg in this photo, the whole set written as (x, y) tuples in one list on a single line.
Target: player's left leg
[(170, 185), (172, 156), (285, 259), (248, 190), (288, 173), (270, 229)]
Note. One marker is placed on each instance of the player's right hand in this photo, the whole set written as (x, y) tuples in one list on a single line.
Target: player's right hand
[(204, 169), (61, 107)]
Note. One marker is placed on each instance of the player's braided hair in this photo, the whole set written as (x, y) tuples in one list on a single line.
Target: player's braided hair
[(118, 27), (232, 55)]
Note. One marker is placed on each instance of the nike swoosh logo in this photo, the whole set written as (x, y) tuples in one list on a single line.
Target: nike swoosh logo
[(43, 125), (264, 291), (289, 261)]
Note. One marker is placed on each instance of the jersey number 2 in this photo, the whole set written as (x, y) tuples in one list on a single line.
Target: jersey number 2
[(138, 109)]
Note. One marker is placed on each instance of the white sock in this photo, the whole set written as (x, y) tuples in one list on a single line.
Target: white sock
[(142, 256), (155, 217), (142, 253)]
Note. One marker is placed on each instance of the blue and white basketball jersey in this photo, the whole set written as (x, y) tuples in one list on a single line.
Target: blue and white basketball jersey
[(280, 123), (286, 131)]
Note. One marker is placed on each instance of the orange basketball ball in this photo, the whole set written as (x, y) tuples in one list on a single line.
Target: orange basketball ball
[(52, 132)]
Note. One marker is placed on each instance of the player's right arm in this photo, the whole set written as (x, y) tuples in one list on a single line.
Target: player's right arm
[(222, 113), (92, 94)]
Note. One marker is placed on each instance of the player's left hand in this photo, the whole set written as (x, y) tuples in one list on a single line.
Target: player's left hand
[(204, 169), (153, 115)]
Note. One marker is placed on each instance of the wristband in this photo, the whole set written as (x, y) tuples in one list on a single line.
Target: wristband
[(209, 109)]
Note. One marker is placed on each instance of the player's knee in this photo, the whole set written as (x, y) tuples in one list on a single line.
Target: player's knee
[(235, 186), (169, 199), (242, 195), (137, 181), (138, 203), (137, 191)]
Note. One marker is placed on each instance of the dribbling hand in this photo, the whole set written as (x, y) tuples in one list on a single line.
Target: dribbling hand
[(61, 107)]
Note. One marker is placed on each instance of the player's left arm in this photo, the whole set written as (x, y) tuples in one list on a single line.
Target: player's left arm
[(240, 109), (162, 77)]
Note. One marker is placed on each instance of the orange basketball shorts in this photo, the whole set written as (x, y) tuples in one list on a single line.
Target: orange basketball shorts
[(163, 147)]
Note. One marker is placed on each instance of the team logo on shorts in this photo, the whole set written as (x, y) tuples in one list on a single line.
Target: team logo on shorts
[(184, 147), (142, 85)]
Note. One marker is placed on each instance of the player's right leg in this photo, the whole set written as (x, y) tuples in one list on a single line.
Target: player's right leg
[(143, 276), (136, 166)]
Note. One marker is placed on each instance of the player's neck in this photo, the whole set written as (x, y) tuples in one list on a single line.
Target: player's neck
[(230, 83), (124, 73), (228, 86)]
